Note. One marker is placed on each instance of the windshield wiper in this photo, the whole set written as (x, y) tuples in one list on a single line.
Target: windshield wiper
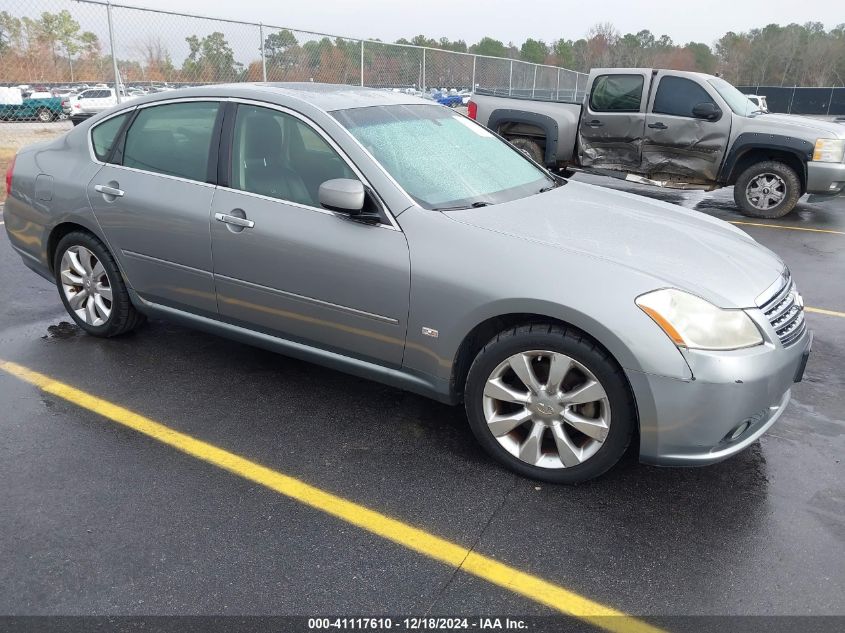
[(474, 205)]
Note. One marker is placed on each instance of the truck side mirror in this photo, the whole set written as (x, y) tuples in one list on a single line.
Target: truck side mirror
[(708, 111)]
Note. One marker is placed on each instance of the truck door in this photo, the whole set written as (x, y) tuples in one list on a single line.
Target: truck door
[(686, 131), (610, 132)]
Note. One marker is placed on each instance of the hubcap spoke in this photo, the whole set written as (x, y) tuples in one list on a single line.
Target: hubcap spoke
[(73, 262), (521, 365), (104, 291), (570, 455), (102, 308), (77, 299), (70, 279), (91, 311), (498, 390), (592, 428), (503, 424), (559, 366), (531, 450), (590, 391)]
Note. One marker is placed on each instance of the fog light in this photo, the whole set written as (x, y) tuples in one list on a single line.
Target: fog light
[(742, 428)]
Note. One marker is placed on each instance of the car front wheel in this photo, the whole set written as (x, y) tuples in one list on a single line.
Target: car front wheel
[(92, 288), (550, 404), (769, 189)]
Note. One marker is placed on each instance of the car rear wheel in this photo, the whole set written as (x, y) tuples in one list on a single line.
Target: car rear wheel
[(92, 288), (549, 404), (769, 189), (44, 115), (529, 147)]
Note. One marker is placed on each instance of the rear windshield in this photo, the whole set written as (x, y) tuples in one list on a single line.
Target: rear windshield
[(441, 158)]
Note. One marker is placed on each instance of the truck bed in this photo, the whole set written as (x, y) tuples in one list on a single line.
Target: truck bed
[(555, 122)]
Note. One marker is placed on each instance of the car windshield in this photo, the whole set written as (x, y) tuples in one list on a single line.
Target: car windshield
[(442, 159), (737, 102)]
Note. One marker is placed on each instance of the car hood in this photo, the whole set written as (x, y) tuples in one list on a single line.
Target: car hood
[(801, 126), (678, 247)]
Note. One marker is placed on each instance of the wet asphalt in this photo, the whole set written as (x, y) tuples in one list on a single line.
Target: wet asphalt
[(97, 519)]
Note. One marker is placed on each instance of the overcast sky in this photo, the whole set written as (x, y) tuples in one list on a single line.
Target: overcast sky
[(682, 20)]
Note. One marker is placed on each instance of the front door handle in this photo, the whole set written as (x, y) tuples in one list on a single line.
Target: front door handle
[(658, 126), (233, 219), (594, 123), (108, 191)]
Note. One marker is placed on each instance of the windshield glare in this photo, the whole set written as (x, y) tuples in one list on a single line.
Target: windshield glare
[(737, 102), (441, 158)]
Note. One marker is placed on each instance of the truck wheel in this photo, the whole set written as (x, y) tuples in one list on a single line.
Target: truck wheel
[(529, 147), (549, 404), (44, 115), (767, 190)]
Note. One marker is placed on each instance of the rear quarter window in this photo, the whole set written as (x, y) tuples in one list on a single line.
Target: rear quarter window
[(617, 93), (104, 135)]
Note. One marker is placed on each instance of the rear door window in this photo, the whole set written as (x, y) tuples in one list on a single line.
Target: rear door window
[(172, 139), (617, 93), (104, 135), (677, 96)]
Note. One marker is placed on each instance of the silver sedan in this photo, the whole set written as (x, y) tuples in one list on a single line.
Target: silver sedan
[(380, 234)]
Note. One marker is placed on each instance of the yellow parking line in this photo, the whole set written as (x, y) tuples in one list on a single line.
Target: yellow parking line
[(416, 539), (823, 311), (788, 228)]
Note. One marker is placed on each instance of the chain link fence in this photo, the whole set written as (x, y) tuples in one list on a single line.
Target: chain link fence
[(53, 51)]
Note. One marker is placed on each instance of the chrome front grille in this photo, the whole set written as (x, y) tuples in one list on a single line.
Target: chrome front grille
[(785, 311)]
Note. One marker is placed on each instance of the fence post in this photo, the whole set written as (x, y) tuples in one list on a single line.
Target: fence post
[(510, 80), (534, 83), (362, 63), (422, 88), (474, 60), (113, 54), (263, 56), (791, 99), (829, 101), (557, 90)]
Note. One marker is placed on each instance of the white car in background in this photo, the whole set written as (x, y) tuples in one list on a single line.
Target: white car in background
[(90, 102), (759, 102)]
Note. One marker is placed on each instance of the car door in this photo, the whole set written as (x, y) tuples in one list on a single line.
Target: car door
[(612, 120), (285, 265), (152, 198), (678, 144)]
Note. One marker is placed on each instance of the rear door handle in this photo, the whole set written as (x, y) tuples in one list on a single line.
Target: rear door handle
[(108, 191), (233, 219), (658, 126), (594, 123)]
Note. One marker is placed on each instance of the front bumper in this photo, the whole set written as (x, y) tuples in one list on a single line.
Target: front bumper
[(732, 400), (825, 179)]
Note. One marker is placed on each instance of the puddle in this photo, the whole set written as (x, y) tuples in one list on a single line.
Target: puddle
[(62, 331)]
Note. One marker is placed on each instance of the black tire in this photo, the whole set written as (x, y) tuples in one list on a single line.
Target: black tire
[(124, 317), (44, 115), (791, 186), (576, 345), (531, 148)]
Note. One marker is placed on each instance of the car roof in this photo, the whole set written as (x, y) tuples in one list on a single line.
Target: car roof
[(326, 97)]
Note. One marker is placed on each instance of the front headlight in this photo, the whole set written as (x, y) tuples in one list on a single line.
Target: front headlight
[(692, 322), (829, 150)]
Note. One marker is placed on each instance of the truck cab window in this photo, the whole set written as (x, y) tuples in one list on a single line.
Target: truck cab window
[(677, 96)]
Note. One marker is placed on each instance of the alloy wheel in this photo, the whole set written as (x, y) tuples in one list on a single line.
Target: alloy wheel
[(86, 285), (766, 191), (547, 409)]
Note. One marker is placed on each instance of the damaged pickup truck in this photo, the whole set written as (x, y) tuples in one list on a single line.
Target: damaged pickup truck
[(676, 129)]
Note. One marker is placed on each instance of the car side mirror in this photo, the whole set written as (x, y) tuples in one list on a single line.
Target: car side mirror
[(342, 194), (708, 111)]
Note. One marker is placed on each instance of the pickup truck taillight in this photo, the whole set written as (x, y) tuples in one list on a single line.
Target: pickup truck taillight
[(472, 109), (9, 171)]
